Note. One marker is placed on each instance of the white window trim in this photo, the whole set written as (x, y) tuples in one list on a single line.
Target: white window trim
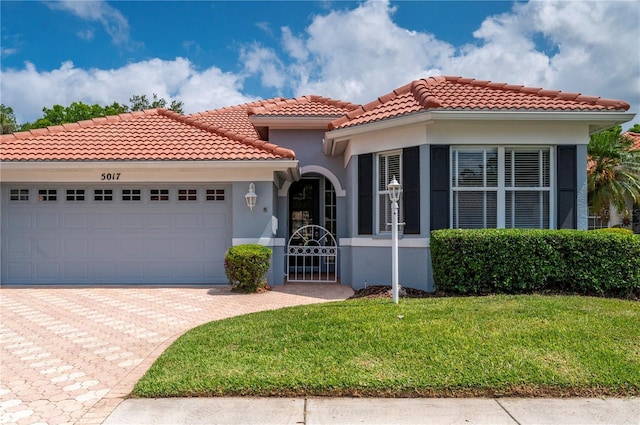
[(73, 193), (131, 195), (187, 189), (501, 187), (386, 192), (484, 188), (19, 193)]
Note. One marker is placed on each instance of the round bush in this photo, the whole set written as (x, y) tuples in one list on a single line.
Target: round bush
[(245, 265)]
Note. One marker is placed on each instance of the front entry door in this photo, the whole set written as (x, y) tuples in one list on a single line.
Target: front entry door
[(312, 250), (304, 204)]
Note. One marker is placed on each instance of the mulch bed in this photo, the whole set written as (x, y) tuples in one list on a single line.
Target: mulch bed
[(384, 291)]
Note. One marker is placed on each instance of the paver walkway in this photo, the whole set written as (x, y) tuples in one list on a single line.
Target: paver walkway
[(70, 355)]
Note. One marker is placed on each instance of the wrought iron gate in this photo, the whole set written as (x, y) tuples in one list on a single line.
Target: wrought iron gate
[(312, 255)]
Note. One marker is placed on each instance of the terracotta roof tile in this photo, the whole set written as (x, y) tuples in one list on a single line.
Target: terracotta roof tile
[(156, 134), (465, 94), (304, 106), (636, 139), (234, 118)]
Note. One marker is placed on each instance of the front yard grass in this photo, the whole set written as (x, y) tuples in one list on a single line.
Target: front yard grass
[(524, 345)]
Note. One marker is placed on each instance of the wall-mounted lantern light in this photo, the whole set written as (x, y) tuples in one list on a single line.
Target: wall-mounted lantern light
[(251, 196)]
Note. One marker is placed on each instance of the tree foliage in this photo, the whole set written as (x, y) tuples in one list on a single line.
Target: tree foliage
[(614, 172), (79, 111), (141, 102), (635, 128), (7, 119)]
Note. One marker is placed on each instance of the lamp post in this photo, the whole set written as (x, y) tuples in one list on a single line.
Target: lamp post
[(394, 194)]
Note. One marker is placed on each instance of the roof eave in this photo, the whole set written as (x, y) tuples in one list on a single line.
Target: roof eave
[(292, 122), (335, 139), (139, 171), (88, 164), (599, 120)]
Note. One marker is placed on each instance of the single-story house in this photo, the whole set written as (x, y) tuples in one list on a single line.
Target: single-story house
[(156, 197)]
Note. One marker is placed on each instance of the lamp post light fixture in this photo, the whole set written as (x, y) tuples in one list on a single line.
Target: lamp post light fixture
[(251, 196), (394, 195)]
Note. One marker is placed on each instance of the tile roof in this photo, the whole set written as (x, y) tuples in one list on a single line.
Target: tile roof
[(234, 118), (466, 94), (228, 134), (155, 134), (304, 106), (636, 139)]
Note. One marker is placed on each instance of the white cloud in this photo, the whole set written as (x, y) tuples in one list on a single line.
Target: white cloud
[(86, 34), (596, 48), (294, 46), (28, 90), (10, 44), (350, 54), (264, 61), (113, 22), (8, 51), (593, 48), (361, 53)]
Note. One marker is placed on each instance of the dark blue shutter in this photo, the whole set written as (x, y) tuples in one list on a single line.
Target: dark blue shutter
[(411, 189), (567, 187), (439, 181), (365, 194)]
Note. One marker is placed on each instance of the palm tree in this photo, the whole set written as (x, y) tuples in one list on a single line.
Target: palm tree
[(613, 173), (7, 119)]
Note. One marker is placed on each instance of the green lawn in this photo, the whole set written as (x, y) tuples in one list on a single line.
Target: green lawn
[(497, 345)]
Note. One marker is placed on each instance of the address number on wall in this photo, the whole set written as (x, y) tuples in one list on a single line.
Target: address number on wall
[(110, 176)]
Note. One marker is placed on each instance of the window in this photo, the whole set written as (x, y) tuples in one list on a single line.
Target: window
[(475, 187), (329, 207), (131, 195), (103, 195), (19, 195), (527, 188), (389, 166), (75, 195), (47, 195), (596, 222), (187, 195), (500, 187), (215, 195), (159, 194)]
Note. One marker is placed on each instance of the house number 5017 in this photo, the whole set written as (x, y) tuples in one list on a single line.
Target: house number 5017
[(110, 176)]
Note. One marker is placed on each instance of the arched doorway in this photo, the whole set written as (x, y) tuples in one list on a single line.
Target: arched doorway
[(312, 250)]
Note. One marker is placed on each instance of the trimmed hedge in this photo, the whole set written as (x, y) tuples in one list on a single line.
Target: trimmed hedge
[(516, 261), (620, 230), (245, 265)]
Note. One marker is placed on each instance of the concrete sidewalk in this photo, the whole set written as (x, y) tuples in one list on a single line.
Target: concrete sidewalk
[(407, 411)]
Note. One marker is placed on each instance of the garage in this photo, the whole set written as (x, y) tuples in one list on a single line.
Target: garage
[(115, 234)]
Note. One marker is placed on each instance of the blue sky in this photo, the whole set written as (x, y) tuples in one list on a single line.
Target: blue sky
[(210, 54)]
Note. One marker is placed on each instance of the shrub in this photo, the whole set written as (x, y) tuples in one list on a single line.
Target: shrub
[(245, 265), (619, 230), (516, 260)]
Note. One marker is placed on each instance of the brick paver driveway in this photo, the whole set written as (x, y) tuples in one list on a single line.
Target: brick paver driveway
[(70, 355)]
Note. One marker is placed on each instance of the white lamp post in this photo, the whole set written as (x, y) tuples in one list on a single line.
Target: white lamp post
[(251, 196), (394, 194)]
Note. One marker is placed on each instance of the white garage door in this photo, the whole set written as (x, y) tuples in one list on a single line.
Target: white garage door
[(74, 234)]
